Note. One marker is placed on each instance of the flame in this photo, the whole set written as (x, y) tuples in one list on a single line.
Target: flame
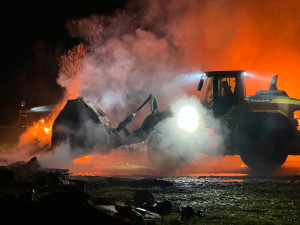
[(38, 135), (42, 130), (48, 129)]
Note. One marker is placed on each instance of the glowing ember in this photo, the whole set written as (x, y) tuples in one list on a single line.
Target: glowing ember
[(70, 69), (38, 135), (43, 128), (47, 130)]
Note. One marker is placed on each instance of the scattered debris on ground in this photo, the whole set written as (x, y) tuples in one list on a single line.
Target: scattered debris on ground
[(32, 194)]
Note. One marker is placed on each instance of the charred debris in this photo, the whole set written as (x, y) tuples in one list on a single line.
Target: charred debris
[(30, 194)]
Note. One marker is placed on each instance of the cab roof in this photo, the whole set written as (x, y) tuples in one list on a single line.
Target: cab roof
[(226, 73)]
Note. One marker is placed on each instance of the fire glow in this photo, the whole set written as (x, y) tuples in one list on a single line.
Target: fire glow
[(210, 38), (115, 163), (38, 135), (42, 130), (42, 125), (82, 160), (124, 163)]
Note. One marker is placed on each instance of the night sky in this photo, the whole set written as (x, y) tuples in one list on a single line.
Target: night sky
[(33, 38)]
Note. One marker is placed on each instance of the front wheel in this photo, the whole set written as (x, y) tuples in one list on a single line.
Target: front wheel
[(166, 153), (261, 140)]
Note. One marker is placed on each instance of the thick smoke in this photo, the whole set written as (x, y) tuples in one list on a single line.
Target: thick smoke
[(129, 56), (121, 74), (171, 147)]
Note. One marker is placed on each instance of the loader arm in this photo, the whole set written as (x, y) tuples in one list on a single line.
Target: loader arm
[(148, 125)]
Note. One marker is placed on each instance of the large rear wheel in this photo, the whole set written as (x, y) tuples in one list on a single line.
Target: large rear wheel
[(262, 138)]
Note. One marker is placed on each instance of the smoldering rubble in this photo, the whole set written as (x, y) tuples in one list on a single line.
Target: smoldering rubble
[(34, 195)]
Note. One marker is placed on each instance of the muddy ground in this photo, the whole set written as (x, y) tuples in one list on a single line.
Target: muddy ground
[(218, 190), (247, 199), (31, 194)]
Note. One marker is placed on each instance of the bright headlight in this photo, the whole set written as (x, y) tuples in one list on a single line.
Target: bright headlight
[(188, 118)]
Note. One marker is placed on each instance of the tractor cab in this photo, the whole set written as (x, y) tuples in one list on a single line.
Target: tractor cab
[(221, 90)]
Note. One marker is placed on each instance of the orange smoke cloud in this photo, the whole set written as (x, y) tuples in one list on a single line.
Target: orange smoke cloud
[(258, 36)]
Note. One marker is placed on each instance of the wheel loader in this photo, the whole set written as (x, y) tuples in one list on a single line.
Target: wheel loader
[(263, 129)]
